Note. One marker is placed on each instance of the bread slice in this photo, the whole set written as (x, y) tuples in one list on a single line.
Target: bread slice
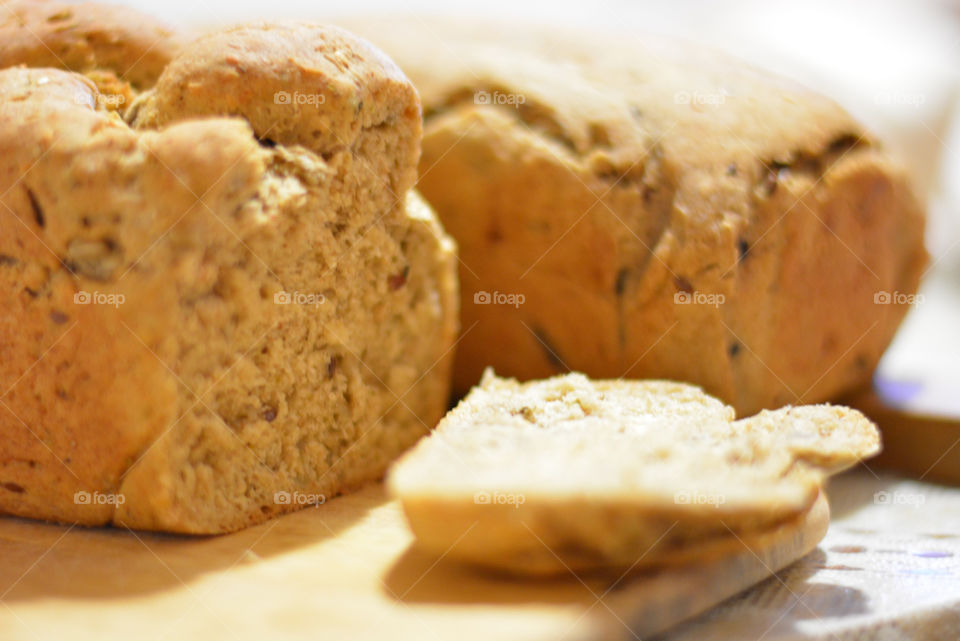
[(567, 472), (208, 316)]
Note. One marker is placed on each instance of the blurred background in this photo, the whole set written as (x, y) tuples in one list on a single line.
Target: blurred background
[(894, 64)]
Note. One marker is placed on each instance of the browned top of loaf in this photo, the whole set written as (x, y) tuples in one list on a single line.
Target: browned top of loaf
[(85, 37), (678, 167), (602, 98), (296, 83)]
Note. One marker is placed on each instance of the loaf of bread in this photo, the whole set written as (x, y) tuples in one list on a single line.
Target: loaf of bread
[(228, 307), (572, 474), (648, 209)]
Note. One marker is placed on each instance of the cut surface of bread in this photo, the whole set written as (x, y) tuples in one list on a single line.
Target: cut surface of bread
[(569, 472), (208, 316)]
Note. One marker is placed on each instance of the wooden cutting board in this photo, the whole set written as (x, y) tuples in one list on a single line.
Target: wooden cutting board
[(889, 567), (342, 570), (921, 436)]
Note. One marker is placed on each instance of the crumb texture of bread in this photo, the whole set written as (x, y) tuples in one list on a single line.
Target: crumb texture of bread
[(566, 472), (212, 321), (663, 211)]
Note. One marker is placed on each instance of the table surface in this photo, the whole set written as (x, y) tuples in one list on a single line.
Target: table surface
[(890, 561), (889, 568)]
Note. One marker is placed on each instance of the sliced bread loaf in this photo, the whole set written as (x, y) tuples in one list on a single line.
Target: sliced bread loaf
[(229, 308), (568, 472)]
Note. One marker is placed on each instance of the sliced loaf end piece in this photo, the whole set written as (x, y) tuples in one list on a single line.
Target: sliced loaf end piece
[(569, 473)]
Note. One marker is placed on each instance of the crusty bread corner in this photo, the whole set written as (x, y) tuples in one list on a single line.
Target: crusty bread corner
[(298, 83), (569, 473), (663, 211), (829, 438), (201, 326)]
